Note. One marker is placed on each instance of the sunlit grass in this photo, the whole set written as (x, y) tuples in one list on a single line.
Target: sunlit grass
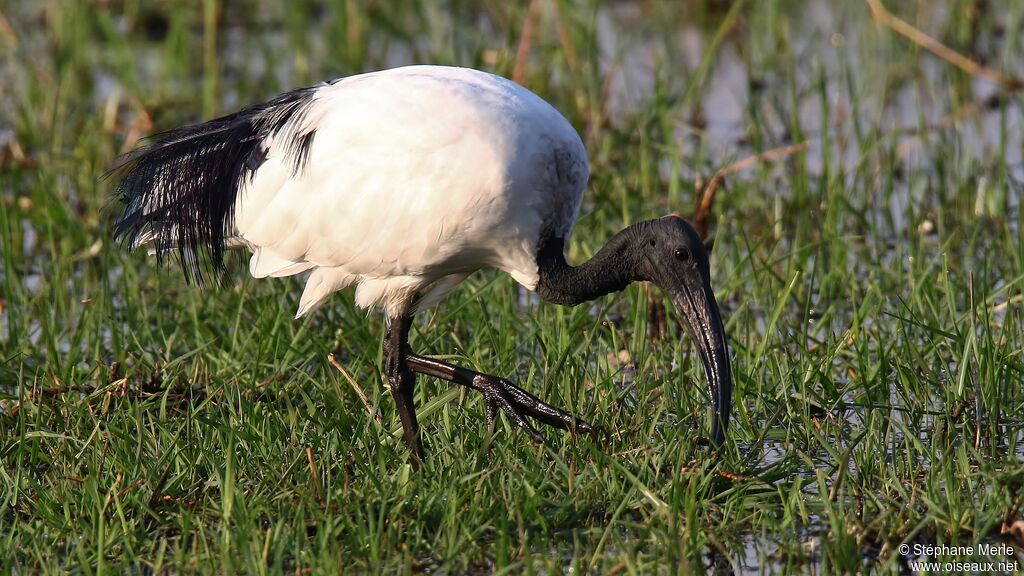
[(871, 286)]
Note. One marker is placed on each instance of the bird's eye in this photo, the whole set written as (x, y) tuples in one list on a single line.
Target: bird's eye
[(683, 254), (654, 243)]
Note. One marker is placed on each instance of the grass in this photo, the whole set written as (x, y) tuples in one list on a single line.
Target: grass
[(872, 287)]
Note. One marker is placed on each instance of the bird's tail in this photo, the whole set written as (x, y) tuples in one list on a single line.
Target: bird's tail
[(179, 190)]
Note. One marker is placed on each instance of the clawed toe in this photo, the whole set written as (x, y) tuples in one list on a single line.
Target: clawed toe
[(516, 403), (499, 393)]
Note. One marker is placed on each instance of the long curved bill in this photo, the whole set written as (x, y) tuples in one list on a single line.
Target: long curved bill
[(697, 305)]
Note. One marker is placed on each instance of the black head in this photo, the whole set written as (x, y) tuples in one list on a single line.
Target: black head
[(672, 249), (674, 258), (669, 253)]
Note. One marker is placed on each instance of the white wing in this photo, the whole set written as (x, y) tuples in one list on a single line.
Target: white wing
[(413, 175)]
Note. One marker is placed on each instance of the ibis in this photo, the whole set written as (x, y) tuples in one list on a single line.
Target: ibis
[(402, 183)]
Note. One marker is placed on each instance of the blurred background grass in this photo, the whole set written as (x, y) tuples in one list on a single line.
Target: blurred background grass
[(868, 257)]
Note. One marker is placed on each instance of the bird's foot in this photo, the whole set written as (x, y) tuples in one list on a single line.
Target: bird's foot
[(517, 404), (500, 394)]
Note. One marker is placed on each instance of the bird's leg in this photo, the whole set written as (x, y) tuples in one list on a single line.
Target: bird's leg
[(402, 381), (500, 393)]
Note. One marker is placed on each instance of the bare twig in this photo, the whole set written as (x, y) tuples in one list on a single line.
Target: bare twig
[(316, 475), (708, 196), (525, 41), (7, 31), (1002, 306), (903, 28), (113, 490), (355, 386), (565, 39)]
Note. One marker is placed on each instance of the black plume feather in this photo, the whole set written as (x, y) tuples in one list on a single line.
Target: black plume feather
[(179, 190)]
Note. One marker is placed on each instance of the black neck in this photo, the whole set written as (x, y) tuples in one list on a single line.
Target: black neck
[(610, 270)]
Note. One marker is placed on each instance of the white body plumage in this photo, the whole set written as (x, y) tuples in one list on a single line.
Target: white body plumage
[(415, 177)]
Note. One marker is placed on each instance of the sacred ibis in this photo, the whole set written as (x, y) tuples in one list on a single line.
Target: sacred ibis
[(402, 183)]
